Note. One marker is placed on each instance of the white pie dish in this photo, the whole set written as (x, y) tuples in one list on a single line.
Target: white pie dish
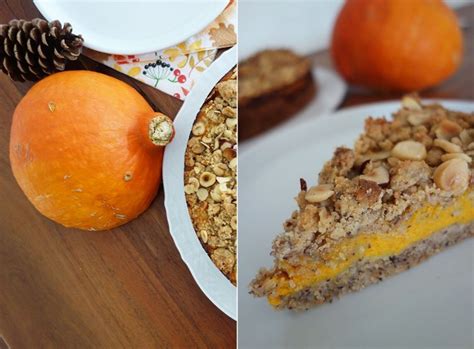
[(209, 278)]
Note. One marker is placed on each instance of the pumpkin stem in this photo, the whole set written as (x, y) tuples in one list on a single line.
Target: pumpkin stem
[(161, 130)]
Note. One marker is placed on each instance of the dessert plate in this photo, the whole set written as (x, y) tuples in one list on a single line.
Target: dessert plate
[(428, 306), (132, 27), (304, 28), (209, 278)]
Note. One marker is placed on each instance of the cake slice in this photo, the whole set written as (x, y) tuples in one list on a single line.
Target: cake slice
[(274, 85), (404, 193)]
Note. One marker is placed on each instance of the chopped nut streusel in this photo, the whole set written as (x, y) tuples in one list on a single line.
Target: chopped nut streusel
[(423, 155), (211, 175)]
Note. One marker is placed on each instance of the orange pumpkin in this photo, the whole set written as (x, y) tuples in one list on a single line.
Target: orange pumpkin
[(80, 149), (396, 44)]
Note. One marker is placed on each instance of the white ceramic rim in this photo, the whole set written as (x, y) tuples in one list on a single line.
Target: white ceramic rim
[(210, 279), (268, 147), (136, 48)]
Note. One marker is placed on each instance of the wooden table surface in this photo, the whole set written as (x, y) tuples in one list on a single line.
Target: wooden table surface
[(63, 288)]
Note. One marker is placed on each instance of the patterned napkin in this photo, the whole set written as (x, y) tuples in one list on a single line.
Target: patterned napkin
[(175, 70)]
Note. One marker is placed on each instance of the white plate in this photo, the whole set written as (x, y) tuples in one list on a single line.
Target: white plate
[(132, 27), (211, 281), (428, 306), (307, 25)]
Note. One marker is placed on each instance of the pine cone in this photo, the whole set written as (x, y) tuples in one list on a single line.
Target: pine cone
[(30, 50)]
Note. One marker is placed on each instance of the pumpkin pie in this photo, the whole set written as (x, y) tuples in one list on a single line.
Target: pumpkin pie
[(210, 175), (404, 193)]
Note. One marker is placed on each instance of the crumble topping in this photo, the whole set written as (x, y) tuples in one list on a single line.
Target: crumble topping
[(210, 175), (423, 155), (269, 71)]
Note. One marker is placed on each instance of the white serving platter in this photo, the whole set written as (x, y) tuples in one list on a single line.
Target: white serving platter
[(132, 27), (210, 279), (428, 306)]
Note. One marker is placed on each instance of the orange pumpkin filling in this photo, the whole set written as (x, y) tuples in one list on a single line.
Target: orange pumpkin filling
[(424, 222)]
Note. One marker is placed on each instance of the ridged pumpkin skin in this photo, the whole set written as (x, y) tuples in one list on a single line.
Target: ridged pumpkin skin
[(80, 150), (395, 44)]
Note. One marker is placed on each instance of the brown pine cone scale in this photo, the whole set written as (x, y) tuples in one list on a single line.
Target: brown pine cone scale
[(31, 50)]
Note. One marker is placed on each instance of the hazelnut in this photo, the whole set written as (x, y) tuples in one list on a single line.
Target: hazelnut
[(198, 129), (462, 156), (319, 193), (223, 179), (198, 168), (411, 103), (231, 122), (203, 235), (233, 222), (223, 187), (447, 146), (217, 156), (452, 175), (228, 134), (233, 163), (378, 175), (202, 194), (197, 148), (229, 112), (226, 145), (456, 141), (417, 118), (447, 129), (189, 189), (206, 139), (372, 156), (207, 179), (216, 194), (194, 182), (219, 169), (467, 136), (229, 153), (409, 150)]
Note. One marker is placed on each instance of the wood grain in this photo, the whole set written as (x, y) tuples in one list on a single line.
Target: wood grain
[(63, 288)]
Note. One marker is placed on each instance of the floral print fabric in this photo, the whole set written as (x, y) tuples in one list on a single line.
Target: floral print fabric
[(175, 70)]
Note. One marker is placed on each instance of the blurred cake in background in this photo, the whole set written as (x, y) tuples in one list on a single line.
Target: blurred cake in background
[(273, 86)]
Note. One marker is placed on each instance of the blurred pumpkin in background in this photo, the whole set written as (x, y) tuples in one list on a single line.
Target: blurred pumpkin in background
[(86, 149), (395, 44)]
